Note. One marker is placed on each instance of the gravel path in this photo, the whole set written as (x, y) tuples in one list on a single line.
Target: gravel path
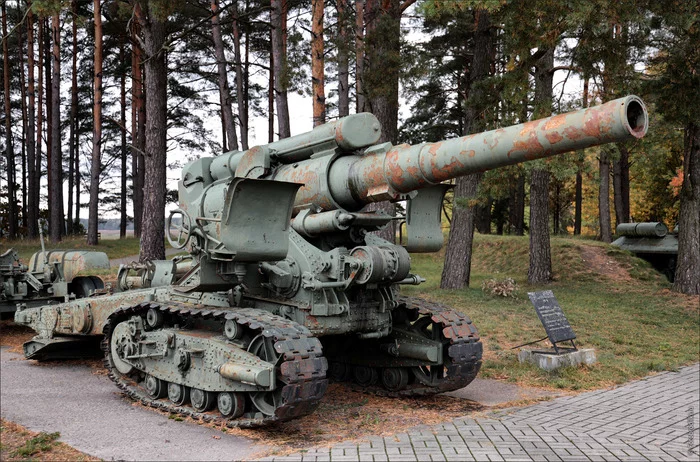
[(93, 417)]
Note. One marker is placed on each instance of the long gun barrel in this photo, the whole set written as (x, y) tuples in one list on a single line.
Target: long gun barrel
[(350, 182), (338, 168)]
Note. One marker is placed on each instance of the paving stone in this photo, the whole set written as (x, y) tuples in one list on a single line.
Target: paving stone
[(613, 424)]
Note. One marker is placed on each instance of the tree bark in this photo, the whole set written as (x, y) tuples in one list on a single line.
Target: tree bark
[(540, 268), (48, 87), (604, 197), (517, 206), (32, 203), (621, 185), (271, 96), (96, 129), (72, 145), (456, 271), (240, 80), (687, 279), (39, 112), (9, 151), (153, 234), (56, 230), (343, 62), (359, 55), (122, 121), (224, 91), (278, 17), (380, 80), (317, 63), (138, 123), (578, 200), (23, 95)]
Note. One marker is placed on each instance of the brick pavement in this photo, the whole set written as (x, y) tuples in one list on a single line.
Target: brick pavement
[(657, 418)]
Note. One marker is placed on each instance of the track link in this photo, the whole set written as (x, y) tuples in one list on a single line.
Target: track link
[(302, 370), (462, 347)]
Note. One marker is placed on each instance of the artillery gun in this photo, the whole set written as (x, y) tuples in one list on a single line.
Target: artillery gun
[(289, 285), (56, 275), (652, 242)]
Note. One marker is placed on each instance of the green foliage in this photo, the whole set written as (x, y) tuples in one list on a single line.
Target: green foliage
[(40, 443), (636, 325)]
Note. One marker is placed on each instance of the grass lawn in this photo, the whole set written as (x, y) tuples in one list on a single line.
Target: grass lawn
[(615, 303)]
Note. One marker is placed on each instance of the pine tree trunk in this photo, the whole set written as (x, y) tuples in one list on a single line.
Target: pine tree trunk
[(48, 87), (32, 204), (517, 206), (540, 253), (240, 79), (123, 219), (578, 202), (23, 91), (138, 124), (343, 70), (556, 213), (72, 145), (359, 55), (621, 185), (604, 198), (278, 17), (271, 97), (96, 163), (317, 62), (380, 81), (9, 151), (39, 112), (456, 270), (56, 230), (153, 234), (540, 269), (225, 93), (687, 279)]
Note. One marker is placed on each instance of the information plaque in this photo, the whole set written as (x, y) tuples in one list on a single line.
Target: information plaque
[(552, 317)]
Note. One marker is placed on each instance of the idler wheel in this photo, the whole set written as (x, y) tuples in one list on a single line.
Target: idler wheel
[(201, 400), (394, 378), (122, 345), (155, 387), (178, 394), (265, 401), (232, 330), (231, 405), (365, 376), (154, 318)]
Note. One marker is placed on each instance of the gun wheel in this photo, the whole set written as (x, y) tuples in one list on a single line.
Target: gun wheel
[(265, 401)]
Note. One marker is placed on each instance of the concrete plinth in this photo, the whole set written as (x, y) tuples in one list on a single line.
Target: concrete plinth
[(549, 362)]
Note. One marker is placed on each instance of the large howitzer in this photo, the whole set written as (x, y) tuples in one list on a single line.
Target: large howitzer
[(289, 283)]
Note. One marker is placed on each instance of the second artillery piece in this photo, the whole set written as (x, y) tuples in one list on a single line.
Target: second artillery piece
[(289, 284)]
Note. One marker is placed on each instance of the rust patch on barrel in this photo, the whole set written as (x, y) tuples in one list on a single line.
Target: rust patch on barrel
[(527, 143), (553, 137)]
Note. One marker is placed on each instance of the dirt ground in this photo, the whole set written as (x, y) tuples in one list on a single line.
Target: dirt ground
[(18, 443)]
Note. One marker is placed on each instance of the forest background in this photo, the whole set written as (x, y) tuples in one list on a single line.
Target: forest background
[(103, 98)]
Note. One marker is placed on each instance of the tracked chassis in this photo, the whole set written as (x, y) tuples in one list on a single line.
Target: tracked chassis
[(155, 372)]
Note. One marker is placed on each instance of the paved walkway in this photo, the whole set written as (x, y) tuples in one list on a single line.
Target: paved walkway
[(651, 419)]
